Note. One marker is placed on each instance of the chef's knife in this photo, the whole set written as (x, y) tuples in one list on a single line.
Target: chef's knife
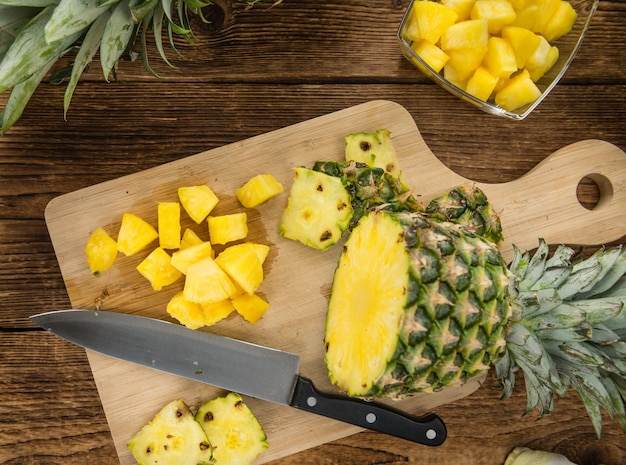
[(238, 366)]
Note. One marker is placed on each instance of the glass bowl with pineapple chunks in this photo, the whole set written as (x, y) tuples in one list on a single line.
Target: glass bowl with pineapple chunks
[(503, 56)]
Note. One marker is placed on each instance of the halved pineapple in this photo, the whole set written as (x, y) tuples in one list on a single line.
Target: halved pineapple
[(250, 306), (168, 219), (318, 209), (173, 437), (228, 228), (242, 264), (198, 201), (135, 234), (157, 268), (206, 282), (190, 314), (257, 190), (101, 250), (236, 434), (184, 258)]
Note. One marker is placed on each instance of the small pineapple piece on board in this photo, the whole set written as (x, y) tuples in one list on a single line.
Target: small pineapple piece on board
[(216, 311), (173, 437), (257, 190), (318, 209), (187, 313), (189, 238), (228, 228), (236, 434), (135, 234), (374, 149), (519, 91), (184, 258), (432, 19), (198, 201), (206, 282), (168, 217), (242, 264), (250, 306), (101, 250), (158, 269)]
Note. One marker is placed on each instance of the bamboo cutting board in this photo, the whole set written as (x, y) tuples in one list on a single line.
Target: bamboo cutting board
[(542, 203)]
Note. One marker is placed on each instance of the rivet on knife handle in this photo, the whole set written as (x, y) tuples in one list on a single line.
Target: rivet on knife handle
[(429, 429)]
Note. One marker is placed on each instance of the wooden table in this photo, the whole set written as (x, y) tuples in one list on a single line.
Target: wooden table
[(253, 71)]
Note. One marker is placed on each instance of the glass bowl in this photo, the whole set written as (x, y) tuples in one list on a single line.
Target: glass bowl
[(568, 45)]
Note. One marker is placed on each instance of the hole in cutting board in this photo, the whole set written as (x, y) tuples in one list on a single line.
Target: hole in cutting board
[(593, 191)]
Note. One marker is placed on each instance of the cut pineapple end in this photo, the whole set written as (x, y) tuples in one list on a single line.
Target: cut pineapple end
[(172, 437), (366, 307), (234, 431)]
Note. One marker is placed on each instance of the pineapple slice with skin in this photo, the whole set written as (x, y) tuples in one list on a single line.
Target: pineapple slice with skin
[(432, 18), (472, 33), (198, 201), (498, 13), (242, 264), (318, 209), (101, 251), (374, 149), (228, 228), (500, 59), (168, 223), (172, 437), (183, 259), (207, 282), (258, 190), (250, 306), (431, 54), (216, 311), (189, 238), (190, 314), (236, 434), (135, 234), (519, 91), (158, 269)]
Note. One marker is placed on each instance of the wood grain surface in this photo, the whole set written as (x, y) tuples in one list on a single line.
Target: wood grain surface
[(254, 71)]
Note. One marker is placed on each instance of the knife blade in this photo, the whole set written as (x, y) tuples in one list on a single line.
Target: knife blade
[(238, 366)]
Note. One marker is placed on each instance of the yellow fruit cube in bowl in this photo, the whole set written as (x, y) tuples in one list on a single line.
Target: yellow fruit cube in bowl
[(537, 43)]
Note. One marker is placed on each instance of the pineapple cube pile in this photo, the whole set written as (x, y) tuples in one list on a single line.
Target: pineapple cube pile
[(495, 50), (214, 285)]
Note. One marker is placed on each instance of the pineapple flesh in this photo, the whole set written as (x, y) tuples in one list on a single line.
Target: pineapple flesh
[(236, 434), (173, 437)]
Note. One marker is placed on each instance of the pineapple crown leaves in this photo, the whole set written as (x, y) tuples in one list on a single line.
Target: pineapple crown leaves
[(35, 34), (569, 330)]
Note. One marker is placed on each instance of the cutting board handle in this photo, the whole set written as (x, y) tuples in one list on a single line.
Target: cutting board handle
[(544, 202)]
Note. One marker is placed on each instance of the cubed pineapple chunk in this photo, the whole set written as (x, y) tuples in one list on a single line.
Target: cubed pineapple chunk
[(500, 59), (250, 306), (182, 259), (168, 217), (228, 228), (482, 84), (498, 13), (430, 53), (520, 91), (135, 234), (261, 250), (561, 21), (462, 8), (189, 238), (547, 8), (190, 314), (157, 268), (432, 19), (472, 33), (527, 17), (206, 282), (465, 61), (198, 201), (173, 436), (101, 250), (551, 58), (215, 312), (242, 264), (257, 190), (523, 41)]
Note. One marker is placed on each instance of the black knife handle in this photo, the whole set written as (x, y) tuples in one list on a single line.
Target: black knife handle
[(428, 429)]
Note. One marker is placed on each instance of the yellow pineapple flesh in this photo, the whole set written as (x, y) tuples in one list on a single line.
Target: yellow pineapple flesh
[(198, 201), (215, 312), (206, 282), (190, 237), (228, 228), (168, 219), (101, 251), (242, 264), (250, 306), (157, 268), (189, 314), (184, 258), (258, 190), (135, 234)]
